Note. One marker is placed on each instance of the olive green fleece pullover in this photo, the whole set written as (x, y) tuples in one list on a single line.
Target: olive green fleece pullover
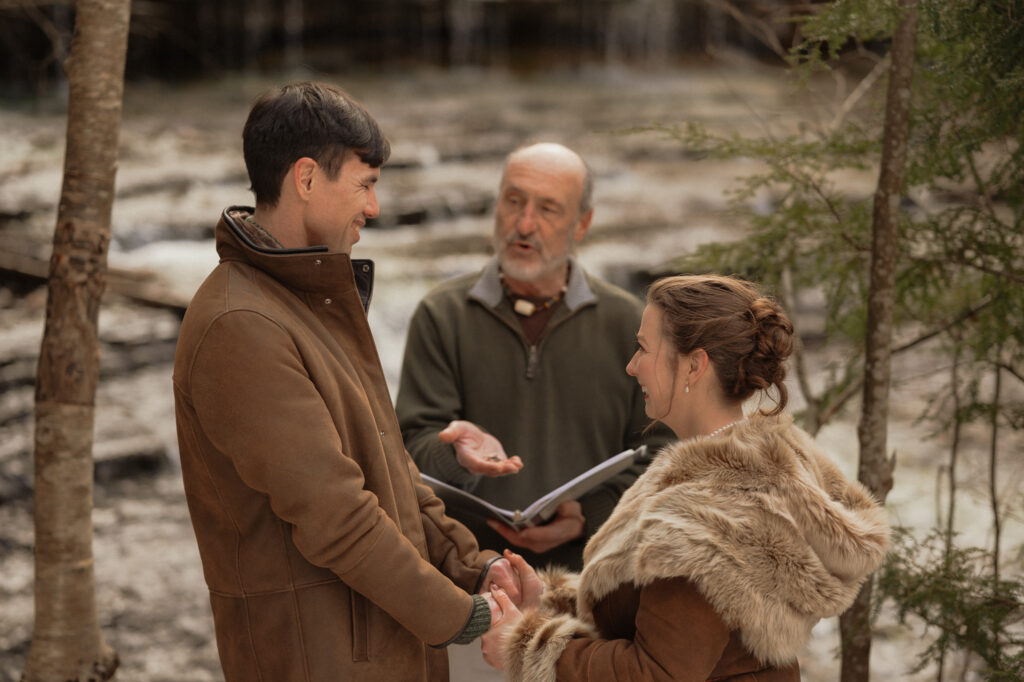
[(563, 405)]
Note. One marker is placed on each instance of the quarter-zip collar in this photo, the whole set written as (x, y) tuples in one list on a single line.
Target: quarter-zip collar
[(313, 270), (488, 289)]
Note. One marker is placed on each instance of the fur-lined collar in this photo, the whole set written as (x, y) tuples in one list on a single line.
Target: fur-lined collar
[(764, 524)]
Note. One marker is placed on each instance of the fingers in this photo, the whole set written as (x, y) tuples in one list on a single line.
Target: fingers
[(511, 536), (451, 433), (484, 467), (496, 611), (540, 539), (571, 509), (501, 468), (501, 574), (531, 585), (503, 600), (519, 564)]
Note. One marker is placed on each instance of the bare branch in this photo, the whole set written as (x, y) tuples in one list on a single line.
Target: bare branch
[(759, 28), (970, 312), (1012, 370), (858, 92)]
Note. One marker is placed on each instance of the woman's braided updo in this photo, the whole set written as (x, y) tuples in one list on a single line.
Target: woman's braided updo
[(746, 335)]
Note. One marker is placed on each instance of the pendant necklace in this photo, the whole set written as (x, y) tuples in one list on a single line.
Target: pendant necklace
[(525, 307)]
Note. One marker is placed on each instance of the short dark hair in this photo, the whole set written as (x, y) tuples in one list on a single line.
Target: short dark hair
[(314, 120)]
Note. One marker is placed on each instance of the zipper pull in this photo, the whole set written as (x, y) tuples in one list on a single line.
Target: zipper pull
[(531, 363)]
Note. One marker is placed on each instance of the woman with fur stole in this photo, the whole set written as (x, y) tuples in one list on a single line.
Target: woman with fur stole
[(719, 560)]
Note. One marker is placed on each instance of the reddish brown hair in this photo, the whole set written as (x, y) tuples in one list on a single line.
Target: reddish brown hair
[(746, 335)]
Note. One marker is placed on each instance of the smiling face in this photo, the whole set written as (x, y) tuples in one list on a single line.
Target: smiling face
[(654, 364), (338, 207), (537, 217)]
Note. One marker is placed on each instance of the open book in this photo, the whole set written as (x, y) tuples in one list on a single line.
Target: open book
[(544, 508)]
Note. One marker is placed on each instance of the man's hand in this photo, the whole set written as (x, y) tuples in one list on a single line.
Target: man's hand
[(567, 525), (479, 452), (492, 644), (502, 574)]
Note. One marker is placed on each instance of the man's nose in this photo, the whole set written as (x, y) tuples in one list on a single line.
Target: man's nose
[(372, 210), (526, 223)]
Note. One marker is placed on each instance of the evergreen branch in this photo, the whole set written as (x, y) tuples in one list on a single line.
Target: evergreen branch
[(810, 182), (799, 356), (983, 191), (853, 388), (1010, 275)]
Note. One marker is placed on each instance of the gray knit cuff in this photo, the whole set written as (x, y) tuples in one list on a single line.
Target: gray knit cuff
[(479, 621)]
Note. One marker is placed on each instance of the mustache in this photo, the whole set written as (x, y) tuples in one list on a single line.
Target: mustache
[(516, 237)]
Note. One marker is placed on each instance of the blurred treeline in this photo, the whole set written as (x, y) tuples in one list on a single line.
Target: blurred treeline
[(189, 39)]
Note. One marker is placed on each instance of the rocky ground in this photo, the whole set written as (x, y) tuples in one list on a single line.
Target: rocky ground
[(180, 164)]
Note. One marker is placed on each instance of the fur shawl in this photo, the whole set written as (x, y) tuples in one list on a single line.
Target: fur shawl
[(763, 523)]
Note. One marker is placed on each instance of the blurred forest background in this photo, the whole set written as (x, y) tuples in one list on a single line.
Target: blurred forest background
[(745, 136)]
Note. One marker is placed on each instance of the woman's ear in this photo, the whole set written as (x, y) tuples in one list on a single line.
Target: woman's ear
[(699, 362)]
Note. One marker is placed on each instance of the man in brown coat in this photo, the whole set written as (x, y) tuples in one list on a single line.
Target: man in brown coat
[(326, 557)]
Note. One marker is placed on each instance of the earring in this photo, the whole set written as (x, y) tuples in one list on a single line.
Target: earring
[(687, 389)]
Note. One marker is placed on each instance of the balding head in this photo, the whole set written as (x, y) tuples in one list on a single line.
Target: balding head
[(556, 158)]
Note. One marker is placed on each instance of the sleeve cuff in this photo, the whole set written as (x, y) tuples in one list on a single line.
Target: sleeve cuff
[(479, 621)]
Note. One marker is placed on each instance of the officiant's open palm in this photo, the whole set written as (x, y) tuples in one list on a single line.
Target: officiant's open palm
[(479, 452)]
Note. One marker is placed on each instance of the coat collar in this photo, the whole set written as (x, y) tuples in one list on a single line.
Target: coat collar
[(488, 291), (313, 270), (761, 521)]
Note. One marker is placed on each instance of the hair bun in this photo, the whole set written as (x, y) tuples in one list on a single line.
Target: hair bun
[(772, 336), (746, 335)]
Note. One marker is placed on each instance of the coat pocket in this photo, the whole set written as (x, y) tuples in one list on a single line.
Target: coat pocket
[(360, 628)]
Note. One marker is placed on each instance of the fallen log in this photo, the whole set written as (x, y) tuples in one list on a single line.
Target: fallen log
[(140, 286)]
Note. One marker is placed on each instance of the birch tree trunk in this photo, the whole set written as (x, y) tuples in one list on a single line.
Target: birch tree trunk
[(875, 468), (66, 640)]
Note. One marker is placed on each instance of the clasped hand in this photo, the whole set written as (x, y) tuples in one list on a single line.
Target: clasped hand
[(507, 606), (479, 452)]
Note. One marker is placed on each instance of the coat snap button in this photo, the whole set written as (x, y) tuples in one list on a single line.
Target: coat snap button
[(327, 301), (317, 262), (366, 268)]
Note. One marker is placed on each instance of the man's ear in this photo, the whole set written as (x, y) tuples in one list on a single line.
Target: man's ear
[(301, 174), (582, 225)]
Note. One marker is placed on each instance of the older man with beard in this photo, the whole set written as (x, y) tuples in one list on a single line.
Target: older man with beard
[(512, 382)]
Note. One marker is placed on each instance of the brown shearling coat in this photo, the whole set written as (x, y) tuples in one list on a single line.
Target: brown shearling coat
[(715, 565), (326, 557)]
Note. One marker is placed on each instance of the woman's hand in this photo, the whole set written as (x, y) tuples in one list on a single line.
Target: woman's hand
[(531, 589), (492, 644)]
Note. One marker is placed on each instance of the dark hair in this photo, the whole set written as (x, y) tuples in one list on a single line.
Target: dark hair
[(312, 120), (746, 335)]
